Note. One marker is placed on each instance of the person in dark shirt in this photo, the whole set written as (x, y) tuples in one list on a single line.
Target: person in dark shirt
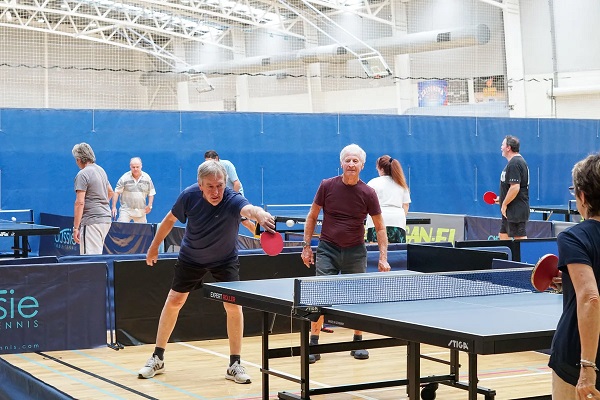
[(346, 201), (211, 212), (575, 344), (514, 191)]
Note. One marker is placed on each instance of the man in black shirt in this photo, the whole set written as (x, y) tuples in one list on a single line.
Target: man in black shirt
[(514, 191)]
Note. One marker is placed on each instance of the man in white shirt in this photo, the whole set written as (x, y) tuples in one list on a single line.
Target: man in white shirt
[(134, 187)]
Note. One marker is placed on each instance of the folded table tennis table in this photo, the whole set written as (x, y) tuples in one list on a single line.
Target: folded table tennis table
[(492, 321)]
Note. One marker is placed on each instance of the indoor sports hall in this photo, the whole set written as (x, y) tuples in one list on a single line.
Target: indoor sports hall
[(278, 88)]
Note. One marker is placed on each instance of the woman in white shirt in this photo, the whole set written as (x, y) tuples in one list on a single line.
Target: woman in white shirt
[(394, 199)]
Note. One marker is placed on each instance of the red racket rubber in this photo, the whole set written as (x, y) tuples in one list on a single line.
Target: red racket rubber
[(490, 197), (544, 271), (272, 243)]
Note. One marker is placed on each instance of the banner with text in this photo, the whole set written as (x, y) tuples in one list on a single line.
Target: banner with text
[(52, 307)]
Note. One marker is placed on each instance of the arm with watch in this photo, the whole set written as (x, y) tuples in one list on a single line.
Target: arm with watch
[(309, 229)]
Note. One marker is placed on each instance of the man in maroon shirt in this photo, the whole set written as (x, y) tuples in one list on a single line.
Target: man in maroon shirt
[(346, 201)]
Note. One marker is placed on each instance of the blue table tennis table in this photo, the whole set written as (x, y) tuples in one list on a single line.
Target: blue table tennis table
[(519, 320), (21, 232)]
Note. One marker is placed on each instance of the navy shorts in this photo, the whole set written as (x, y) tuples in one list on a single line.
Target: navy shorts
[(513, 229), (334, 260), (188, 277)]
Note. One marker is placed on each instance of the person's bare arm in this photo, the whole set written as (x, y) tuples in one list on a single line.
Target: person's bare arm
[(588, 322), (78, 213), (259, 215), (237, 185), (309, 230), (115, 199), (513, 191), (163, 230), (382, 242)]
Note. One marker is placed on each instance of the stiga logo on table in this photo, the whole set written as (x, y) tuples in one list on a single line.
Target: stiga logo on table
[(65, 240), (17, 312)]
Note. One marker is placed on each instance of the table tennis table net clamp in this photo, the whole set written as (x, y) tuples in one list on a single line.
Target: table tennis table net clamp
[(313, 293)]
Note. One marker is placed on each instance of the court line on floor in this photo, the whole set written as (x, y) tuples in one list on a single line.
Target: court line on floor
[(93, 375), (259, 367), (135, 373), (66, 376)]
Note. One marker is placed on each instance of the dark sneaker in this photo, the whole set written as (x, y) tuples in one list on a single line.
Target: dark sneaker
[(360, 354), (313, 358)]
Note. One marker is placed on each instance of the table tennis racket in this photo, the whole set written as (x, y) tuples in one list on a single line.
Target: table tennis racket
[(545, 269), (490, 197), (272, 243)]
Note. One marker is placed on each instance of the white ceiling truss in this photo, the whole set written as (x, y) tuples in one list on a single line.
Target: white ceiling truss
[(153, 26)]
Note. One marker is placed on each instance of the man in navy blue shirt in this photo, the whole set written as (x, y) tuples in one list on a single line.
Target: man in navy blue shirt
[(211, 212)]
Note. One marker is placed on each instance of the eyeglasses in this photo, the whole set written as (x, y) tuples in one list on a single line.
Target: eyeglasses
[(572, 190)]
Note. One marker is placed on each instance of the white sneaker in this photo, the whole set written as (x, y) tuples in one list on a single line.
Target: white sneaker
[(237, 373), (153, 366)]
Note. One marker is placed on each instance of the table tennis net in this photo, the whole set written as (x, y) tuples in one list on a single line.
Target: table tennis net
[(390, 287)]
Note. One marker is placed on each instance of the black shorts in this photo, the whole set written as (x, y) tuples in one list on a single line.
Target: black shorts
[(188, 277), (513, 229)]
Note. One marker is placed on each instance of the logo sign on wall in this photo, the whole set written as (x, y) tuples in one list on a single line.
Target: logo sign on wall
[(62, 244), (122, 238), (433, 93), (52, 307)]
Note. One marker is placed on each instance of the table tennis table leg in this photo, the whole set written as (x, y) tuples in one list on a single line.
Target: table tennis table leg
[(265, 356), (304, 364), (473, 379), (413, 370)]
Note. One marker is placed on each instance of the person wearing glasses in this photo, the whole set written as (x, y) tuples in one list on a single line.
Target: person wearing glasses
[(514, 191), (574, 354)]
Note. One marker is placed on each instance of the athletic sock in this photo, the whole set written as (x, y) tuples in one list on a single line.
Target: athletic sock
[(314, 339), (235, 358), (160, 352)]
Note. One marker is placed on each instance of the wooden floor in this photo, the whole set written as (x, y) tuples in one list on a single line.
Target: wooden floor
[(195, 370)]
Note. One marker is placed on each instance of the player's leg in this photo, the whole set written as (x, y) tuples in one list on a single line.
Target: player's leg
[(325, 264), (235, 331), (517, 230), (185, 279), (504, 229), (561, 389), (124, 215), (354, 261), (168, 318), (235, 324), (92, 238)]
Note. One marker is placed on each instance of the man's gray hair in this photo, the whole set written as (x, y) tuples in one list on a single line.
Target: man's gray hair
[(353, 149), (135, 159), (84, 152), (211, 167)]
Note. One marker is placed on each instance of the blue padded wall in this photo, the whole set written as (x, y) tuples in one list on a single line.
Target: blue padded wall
[(281, 158)]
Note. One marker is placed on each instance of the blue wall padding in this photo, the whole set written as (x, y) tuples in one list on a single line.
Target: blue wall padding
[(281, 158)]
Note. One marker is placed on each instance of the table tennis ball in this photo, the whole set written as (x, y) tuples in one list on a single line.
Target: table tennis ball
[(289, 222), (13, 219)]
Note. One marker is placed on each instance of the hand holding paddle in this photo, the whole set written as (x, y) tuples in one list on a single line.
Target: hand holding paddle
[(546, 274), (270, 240), (490, 198)]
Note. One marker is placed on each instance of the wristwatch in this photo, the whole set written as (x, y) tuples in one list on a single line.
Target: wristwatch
[(305, 244)]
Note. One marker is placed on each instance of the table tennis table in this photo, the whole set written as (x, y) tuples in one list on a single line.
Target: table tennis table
[(21, 232), (547, 211), (516, 319), (281, 222)]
